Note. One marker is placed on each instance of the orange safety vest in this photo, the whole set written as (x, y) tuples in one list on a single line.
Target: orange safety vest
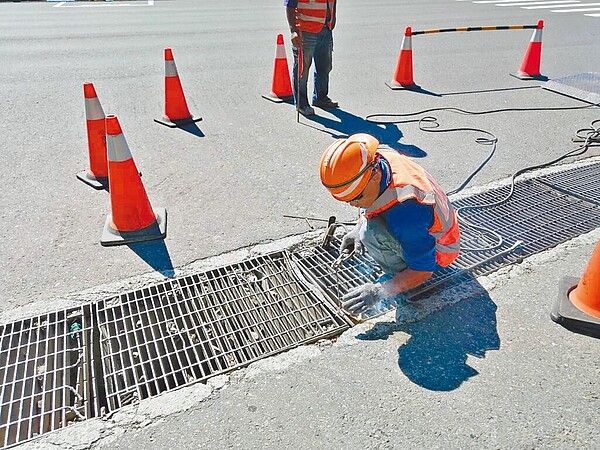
[(311, 14), (409, 180)]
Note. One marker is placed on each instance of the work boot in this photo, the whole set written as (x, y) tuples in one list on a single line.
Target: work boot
[(306, 111), (325, 103)]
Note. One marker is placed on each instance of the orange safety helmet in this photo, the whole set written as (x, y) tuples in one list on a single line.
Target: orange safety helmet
[(345, 165)]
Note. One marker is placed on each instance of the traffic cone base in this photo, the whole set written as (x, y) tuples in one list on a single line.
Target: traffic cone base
[(397, 86), (98, 183), (525, 76), (157, 230), (272, 97), (178, 123), (572, 318)]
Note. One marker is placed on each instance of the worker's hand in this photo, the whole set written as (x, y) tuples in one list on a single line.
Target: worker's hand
[(351, 241), (363, 297), (296, 39)]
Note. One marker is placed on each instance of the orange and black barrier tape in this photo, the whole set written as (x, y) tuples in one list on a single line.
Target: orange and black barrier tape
[(539, 26)]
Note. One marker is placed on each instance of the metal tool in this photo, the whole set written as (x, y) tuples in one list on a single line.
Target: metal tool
[(331, 226), (344, 256)]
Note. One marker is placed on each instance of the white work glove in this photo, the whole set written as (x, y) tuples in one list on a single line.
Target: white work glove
[(351, 241), (358, 300)]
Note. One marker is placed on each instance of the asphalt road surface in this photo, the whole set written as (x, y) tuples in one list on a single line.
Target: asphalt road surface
[(228, 186)]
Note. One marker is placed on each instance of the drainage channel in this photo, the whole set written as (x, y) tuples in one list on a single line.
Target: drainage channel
[(540, 215), (72, 365), (84, 362)]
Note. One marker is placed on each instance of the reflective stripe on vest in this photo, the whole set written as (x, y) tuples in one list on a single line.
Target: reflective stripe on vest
[(411, 181), (311, 14)]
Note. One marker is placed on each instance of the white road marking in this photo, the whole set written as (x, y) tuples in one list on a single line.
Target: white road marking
[(576, 10), (105, 5), (541, 3), (560, 6)]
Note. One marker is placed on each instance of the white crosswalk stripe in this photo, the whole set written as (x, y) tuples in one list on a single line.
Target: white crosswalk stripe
[(554, 6)]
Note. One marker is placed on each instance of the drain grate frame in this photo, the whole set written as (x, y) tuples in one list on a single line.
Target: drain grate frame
[(47, 374), (582, 86), (191, 328)]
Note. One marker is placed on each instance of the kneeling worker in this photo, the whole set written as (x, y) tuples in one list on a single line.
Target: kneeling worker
[(407, 224)]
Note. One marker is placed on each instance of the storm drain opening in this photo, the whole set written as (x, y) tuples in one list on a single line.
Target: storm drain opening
[(188, 329), (46, 374), (536, 218)]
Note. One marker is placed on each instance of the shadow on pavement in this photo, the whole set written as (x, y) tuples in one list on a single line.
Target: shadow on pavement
[(435, 356), (347, 124), (192, 128), (156, 255)]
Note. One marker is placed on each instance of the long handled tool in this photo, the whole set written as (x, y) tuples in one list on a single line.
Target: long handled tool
[(300, 70)]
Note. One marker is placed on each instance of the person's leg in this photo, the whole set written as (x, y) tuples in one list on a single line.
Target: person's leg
[(382, 246), (309, 41), (323, 63)]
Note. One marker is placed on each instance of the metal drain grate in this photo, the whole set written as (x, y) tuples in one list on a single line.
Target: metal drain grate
[(46, 373), (165, 336), (583, 86), (538, 216), (580, 182)]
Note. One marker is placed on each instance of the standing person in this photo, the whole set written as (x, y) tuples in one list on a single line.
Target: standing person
[(311, 25), (407, 223)]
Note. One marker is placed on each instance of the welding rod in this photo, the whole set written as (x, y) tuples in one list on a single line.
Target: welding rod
[(316, 219)]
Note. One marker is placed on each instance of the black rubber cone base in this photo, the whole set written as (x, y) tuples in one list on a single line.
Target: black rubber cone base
[(397, 87), (98, 183), (566, 314), (177, 123), (524, 76), (275, 99), (158, 230)]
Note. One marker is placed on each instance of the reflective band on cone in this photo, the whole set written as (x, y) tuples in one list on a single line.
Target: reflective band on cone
[(132, 218), (176, 108), (530, 66), (97, 175), (281, 86), (578, 305), (403, 75)]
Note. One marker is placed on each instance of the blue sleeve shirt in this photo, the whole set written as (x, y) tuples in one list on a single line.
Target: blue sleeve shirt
[(409, 222), (290, 3)]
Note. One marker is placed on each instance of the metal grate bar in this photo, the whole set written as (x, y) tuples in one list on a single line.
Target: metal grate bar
[(43, 369), (580, 182), (188, 329)]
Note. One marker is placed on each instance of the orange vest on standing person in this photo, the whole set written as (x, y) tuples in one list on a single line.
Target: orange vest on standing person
[(411, 181), (311, 14)]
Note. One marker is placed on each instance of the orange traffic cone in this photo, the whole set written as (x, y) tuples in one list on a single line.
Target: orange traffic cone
[(403, 75), (530, 67), (578, 307), (176, 108), (281, 87), (97, 175), (132, 218)]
